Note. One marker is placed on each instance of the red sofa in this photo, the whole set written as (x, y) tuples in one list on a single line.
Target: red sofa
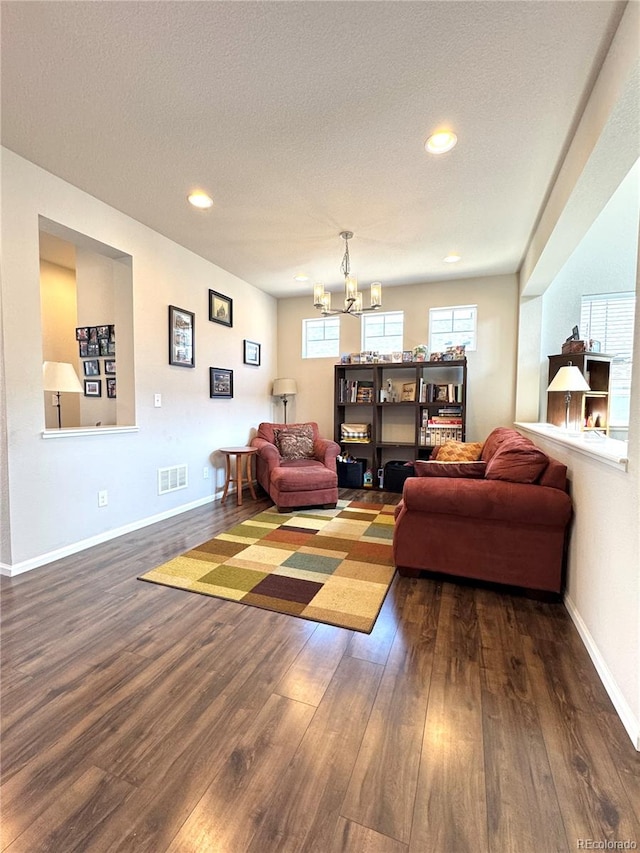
[(505, 521), (301, 481)]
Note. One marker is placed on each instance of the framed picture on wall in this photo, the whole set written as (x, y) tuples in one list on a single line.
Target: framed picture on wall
[(83, 347), (91, 367), (111, 387), (109, 366), (252, 353), (220, 382), (220, 308), (93, 388), (82, 333), (181, 337)]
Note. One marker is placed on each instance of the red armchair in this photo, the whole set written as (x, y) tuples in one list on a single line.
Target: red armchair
[(296, 466)]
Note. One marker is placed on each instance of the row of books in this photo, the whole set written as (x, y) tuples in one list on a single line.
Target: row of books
[(355, 391), (448, 415), (431, 392), (434, 436)]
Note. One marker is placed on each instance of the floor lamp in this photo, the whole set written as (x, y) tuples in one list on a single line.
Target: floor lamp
[(60, 377), (284, 388), (569, 378)]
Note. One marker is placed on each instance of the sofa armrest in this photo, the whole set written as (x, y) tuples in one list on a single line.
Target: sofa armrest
[(267, 452), (495, 500), (325, 450)]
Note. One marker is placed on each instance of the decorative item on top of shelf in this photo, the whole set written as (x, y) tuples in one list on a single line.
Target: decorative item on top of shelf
[(396, 357), (220, 382), (251, 353), (455, 353), (420, 352), (407, 355), (220, 308), (181, 337), (352, 296)]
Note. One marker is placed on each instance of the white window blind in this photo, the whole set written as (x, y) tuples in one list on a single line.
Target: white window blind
[(382, 331), (321, 338), (608, 318)]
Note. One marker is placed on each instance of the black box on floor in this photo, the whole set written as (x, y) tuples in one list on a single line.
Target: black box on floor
[(395, 473), (350, 474)]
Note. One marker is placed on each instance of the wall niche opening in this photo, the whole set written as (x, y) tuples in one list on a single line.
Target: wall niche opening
[(87, 285)]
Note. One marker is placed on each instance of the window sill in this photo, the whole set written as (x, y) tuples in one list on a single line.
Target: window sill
[(73, 432), (608, 450)]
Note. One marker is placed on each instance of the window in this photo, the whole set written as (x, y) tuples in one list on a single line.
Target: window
[(382, 332), (321, 338), (453, 327), (608, 319)]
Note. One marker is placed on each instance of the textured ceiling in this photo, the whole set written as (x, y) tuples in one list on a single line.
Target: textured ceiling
[(303, 119)]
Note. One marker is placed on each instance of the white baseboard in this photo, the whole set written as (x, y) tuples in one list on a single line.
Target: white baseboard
[(51, 556), (628, 718)]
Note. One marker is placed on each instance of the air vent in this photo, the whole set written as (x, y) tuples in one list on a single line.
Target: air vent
[(171, 479)]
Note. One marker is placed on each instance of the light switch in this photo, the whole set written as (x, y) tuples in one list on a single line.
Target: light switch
[(157, 400)]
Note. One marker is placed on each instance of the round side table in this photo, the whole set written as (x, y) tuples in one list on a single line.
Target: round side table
[(242, 470)]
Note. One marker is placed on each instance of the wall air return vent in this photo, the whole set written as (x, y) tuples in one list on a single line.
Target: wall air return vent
[(171, 479)]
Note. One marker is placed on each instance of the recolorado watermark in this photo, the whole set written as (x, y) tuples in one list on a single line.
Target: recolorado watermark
[(592, 844)]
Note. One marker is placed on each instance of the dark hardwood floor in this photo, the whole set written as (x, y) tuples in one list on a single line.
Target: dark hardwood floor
[(141, 718)]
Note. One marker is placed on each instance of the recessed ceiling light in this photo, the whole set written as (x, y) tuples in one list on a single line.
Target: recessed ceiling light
[(200, 200), (452, 259), (441, 142), (301, 277)]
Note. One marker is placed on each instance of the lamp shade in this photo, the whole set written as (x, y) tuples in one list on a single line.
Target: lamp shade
[(61, 377), (569, 378), (283, 387)]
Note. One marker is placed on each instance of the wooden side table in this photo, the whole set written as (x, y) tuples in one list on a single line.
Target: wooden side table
[(242, 470)]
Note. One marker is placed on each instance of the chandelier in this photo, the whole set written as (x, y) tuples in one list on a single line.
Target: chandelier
[(352, 296)]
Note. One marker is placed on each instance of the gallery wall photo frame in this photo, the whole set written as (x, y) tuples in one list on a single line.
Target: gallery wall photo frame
[(111, 387), (93, 388), (251, 353), (181, 337), (220, 308), (220, 383), (109, 366), (91, 367)]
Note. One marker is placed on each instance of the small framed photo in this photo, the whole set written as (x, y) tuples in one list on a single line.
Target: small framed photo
[(251, 353), (220, 382), (111, 349), (82, 333), (93, 388), (104, 346), (407, 355), (93, 335), (103, 332), (83, 347), (93, 349), (91, 367), (111, 388), (220, 308), (109, 366), (181, 337)]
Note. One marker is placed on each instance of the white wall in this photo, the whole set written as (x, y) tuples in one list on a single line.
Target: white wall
[(52, 485), (491, 369)]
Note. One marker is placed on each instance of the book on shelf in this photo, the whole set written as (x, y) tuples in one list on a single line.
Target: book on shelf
[(408, 392)]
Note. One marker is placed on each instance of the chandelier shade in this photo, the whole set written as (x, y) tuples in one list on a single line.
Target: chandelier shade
[(353, 303)]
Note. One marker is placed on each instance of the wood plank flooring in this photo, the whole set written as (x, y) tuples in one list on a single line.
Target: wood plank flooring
[(141, 718)]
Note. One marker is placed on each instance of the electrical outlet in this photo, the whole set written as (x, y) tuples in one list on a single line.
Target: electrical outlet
[(205, 472), (103, 498)]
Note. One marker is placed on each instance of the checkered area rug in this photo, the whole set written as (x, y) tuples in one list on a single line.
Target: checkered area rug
[(328, 565)]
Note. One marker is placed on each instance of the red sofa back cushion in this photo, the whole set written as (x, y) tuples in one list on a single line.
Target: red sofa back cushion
[(517, 461)]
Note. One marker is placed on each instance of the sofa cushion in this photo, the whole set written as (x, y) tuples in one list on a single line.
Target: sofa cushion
[(459, 451), (517, 461), (295, 442), (306, 476), (473, 470), (496, 438)]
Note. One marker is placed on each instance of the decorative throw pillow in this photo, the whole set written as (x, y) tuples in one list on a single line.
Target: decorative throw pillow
[(518, 462), (295, 442), (459, 451), (470, 470)]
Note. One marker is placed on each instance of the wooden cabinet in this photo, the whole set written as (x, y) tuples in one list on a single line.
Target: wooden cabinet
[(409, 408), (588, 410)]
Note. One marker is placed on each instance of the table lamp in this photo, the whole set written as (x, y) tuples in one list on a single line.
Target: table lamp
[(60, 377), (284, 388), (569, 378)]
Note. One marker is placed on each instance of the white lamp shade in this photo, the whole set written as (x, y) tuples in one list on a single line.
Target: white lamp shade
[(60, 376), (282, 387), (569, 378)]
